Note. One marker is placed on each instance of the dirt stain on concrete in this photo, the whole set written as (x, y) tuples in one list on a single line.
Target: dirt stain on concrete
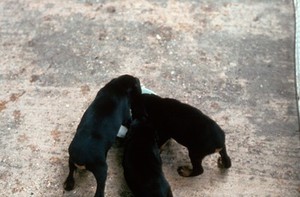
[(55, 135), (17, 116), (22, 138), (15, 96), (85, 89), (2, 105)]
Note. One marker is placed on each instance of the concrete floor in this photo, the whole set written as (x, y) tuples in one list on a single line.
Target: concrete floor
[(234, 60)]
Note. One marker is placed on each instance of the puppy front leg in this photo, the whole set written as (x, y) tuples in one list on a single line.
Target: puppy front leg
[(69, 183), (196, 169), (100, 173)]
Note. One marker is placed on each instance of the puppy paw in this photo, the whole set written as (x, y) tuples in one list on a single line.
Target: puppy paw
[(184, 171), (224, 163), (69, 185), (220, 164)]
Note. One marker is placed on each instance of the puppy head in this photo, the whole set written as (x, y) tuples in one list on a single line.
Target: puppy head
[(128, 83), (131, 87)]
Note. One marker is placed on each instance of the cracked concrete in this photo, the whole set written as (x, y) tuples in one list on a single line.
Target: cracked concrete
[(234, 60)]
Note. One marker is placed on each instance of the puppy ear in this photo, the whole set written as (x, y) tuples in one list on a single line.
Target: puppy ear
[(136, 101), (135, 89), (137, 86)]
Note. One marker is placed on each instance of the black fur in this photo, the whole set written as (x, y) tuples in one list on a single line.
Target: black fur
[(99, 126), (189, 127), (142, 163)]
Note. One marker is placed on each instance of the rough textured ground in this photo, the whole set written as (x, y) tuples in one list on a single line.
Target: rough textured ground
[(234, 60)]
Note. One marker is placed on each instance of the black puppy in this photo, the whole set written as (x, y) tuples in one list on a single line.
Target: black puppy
[(189, 127), (99, 126), (142, 163)]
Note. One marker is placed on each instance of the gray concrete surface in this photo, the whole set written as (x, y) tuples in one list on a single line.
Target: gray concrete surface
[(297, 53), (234, 60)]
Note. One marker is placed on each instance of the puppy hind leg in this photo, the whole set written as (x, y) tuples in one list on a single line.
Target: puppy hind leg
[(197, 169), (224, 161), (70, 182), (197, 165), (100, 173)]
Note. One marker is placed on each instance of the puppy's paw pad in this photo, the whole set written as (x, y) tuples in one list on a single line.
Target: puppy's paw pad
[(184, 171)]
